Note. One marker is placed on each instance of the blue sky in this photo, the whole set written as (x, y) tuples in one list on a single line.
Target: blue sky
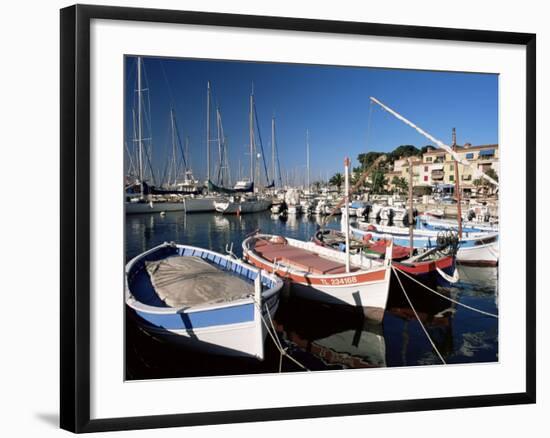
[(331, 102)]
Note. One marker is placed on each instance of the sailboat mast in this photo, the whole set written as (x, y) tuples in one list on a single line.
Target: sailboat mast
[(411, 231), (251, 133), (273, 149), (135, 146), (187, 158), (208, 131), (346, 216), (457, 190), (307, 158), (173, 167), (140, 145), (220, 155)]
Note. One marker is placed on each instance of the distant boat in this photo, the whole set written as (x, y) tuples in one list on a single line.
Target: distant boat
[(352, 212), (474, 248), (240, 187), (436, 212), (143, 207), (428, 222), (279, 207), (201, 299), (359, 208), (201, 204), (242, 205), (319, 273), (295, 209)]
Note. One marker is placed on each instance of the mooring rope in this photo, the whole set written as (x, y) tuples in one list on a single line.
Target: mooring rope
[(445, 297), (418, 318), (275, 339)]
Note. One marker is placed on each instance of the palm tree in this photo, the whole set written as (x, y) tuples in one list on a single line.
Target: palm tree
[(378, 181), (337, 180), (400, 184)]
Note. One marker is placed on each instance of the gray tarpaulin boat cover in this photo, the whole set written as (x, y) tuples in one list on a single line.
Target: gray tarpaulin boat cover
[(191, 281)]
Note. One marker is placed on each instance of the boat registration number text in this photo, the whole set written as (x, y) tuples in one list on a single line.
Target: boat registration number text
[(339, 281)]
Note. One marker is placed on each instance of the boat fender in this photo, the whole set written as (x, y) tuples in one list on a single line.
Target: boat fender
[(278, 239), (447, 277), (371, 228), (367, 237)]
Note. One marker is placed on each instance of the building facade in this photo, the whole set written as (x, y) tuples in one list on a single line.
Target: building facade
[(437, 167)]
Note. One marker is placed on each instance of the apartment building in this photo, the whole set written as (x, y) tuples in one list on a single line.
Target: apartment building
[(437, 167)]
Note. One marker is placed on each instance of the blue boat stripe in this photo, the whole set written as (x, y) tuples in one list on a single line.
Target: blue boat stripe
[(201, 319), (423, 241)]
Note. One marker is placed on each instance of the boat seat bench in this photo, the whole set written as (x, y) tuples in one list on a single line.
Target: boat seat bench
[(299, 258)]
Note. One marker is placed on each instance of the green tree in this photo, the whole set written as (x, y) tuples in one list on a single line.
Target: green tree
[(400, 184), (424, 149), (492, 173), (483, 184), (368, 159), (378, 181), (337, 180), (406, 150)]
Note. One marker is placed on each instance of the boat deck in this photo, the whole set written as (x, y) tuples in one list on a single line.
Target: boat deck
[(299, 258)]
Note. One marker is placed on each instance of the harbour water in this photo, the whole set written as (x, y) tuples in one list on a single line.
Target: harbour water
[(317, 335)]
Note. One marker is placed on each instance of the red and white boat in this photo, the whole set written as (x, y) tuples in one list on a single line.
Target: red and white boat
[(324, 274), (432, 267)]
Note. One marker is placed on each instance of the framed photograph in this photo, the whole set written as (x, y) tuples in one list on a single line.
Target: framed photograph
[(268, 218)]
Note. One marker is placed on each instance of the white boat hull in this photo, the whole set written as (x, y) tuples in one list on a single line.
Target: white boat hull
[(242, 207), (366, 288), (155, 207), (237, 340), (200, 205), (372, 297), (479, 255), (233, 328)]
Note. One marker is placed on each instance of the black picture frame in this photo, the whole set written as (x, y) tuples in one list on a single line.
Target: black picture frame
[(75, 217)]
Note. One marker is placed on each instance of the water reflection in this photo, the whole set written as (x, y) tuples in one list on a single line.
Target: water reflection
[(319, 336)]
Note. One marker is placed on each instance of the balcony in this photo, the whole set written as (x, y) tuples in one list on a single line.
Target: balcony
[(438, 175)]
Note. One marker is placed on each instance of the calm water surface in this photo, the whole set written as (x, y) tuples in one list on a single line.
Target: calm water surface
[(318, 335)]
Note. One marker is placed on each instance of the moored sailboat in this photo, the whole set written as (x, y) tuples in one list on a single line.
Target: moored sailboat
[(242, 205)]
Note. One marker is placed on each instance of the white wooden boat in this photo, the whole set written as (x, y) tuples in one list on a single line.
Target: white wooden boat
[(320, 274), (201, 299)]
